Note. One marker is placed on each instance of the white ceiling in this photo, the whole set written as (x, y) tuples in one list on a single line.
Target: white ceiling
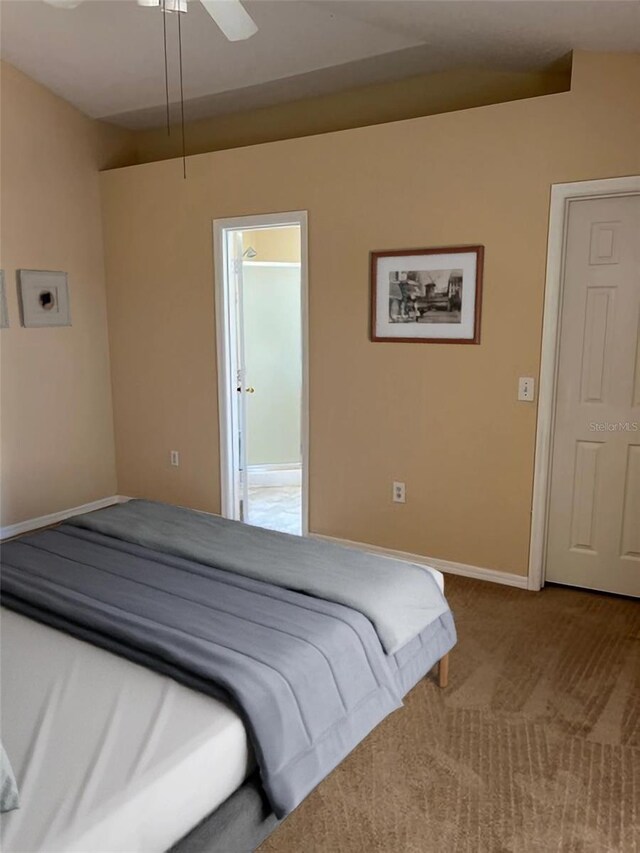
[(106, 55)]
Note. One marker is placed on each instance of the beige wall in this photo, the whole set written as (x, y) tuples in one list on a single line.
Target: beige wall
[(424, 94), (443, 418), (274, 244), (56, 416)]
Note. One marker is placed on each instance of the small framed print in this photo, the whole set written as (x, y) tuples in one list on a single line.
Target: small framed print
[(427, 295), (44, 298)]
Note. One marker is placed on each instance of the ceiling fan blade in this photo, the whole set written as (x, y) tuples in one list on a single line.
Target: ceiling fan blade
[(64, 4), (232, 18)]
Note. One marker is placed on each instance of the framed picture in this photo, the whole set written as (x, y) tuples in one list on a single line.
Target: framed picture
[(44, 298), (427, 295)]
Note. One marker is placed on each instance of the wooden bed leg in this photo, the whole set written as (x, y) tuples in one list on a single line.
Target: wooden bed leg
[(443, 671)]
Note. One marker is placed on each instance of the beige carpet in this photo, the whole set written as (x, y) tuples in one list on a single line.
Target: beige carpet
[(534, 746)]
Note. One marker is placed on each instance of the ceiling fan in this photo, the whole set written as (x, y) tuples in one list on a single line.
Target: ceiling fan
[(230, 15)]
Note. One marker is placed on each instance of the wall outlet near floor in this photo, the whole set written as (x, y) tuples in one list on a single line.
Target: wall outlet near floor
[(399, 495), (526, 388), (174, 458)]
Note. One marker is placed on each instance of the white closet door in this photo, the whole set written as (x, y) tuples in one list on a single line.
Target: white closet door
[(594, 510)]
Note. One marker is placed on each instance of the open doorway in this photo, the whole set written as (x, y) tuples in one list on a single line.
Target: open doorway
[(261, 311)]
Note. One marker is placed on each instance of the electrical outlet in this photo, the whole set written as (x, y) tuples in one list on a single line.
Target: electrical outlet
[(399, 495), (526, 388), (174, 458)]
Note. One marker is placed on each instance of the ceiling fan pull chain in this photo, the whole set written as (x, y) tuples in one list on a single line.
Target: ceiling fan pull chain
[(184, 153), (166, 65)]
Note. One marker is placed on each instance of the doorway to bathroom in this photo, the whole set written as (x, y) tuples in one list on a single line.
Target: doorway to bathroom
[(261, 307)]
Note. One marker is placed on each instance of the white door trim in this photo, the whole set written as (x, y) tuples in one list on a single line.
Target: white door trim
[(252, 223), (561, 197)]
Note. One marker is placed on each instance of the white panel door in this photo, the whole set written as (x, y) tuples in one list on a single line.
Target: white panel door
[(241, 377), (594, 506), (238, 405)]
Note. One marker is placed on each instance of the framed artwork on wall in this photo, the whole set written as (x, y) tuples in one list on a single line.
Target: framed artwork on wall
[(427, 295), (44, 298)]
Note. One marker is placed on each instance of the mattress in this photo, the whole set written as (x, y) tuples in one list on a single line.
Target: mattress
[(109, 756)]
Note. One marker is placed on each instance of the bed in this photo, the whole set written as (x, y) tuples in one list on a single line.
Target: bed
[(115, 749)]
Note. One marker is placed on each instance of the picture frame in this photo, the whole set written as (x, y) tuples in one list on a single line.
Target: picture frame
[(44, 298), (427, 295)]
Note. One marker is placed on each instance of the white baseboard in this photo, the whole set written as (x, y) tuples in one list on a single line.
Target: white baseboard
[(445, 566), (53, 518), (287, 474)]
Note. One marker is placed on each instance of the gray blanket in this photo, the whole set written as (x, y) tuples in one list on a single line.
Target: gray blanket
[(309, 676), (9, 796), (399, 598)]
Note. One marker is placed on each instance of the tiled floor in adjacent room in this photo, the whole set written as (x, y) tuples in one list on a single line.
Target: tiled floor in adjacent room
[(276, 507)]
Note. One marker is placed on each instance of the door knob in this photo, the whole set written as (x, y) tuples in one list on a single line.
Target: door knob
[(249, 390)]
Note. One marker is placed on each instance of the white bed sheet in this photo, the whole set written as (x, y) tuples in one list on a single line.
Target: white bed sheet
[(109, 756), (437, 575)]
